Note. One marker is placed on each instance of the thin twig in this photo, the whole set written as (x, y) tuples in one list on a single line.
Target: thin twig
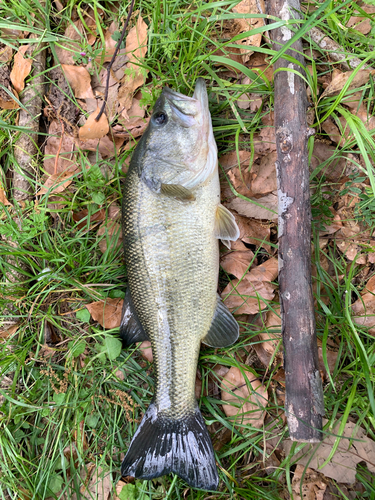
[(113, 60)]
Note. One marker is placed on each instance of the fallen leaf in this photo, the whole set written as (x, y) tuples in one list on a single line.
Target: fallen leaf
[(333, 132), (311, 484), (66, 161), (79, 79), (245, 396), (21, 69), (96, 483), (239, 25), (269, 341), (113, 233), (136, 48), (263, 176), (146, 351), (93, 129), (364, 311), (5, 333), (337, 84), (360, 23), (253, 231), (262, 208), (82, 217), (253, 292), (267, 271), (3, 198), (106, 312), (69, 46), (342, 466), (237, 263), (56, 183), (258, 64), (6, 53)]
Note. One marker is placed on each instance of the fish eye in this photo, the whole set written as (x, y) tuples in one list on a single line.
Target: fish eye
[(160, 118)]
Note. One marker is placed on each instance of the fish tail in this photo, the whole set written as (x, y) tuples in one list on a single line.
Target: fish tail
[(162, 445)]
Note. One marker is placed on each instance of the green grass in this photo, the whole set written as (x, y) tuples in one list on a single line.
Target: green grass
[(61, 410)]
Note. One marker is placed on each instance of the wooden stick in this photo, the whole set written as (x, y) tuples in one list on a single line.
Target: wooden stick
[(304, 394)]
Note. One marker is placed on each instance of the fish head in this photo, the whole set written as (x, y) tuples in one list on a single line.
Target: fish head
[(181, 148)]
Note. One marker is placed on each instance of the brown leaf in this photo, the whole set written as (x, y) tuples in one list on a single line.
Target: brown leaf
[(267, 271), (360, 23), (332, 130), (112, 232), (82, 217), (342, 466), (270, 339), (146, 351), (95, 483), (5, 333), (364, 311), (93, 129), (247, 297), (6, 53), (69, 46), (337, 84), (21, 69), (263, 176), (237, 263), (56, 183), (136, 48), (107, 312), (244, 405), (258, 64), (262, 208), (8, 104), (79, 79), (66, 158), (244, 25), (3, 198), (253, 232), (310, 482)]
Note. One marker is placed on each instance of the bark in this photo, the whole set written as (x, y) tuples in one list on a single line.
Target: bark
[(26, 147), (25, 151), (304, 395)]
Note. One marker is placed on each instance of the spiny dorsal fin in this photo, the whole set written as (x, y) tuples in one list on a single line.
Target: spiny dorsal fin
[(226, 228), (224, 329), (176, 191)]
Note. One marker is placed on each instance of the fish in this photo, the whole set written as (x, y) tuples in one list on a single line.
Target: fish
[(172, 221)]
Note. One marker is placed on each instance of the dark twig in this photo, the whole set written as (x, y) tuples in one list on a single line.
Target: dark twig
[(113, 60)]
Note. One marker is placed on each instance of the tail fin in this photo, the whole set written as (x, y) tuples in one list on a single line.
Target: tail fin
[(162, 445)]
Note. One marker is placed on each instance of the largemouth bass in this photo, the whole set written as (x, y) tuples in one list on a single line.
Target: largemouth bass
[(172, 221)]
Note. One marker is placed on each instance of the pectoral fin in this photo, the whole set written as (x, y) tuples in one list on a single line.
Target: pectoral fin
[(131, 330), (226, 228), (224, 329), (177, 191)]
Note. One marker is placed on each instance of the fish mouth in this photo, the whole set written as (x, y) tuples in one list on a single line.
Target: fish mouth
[(189, 111)]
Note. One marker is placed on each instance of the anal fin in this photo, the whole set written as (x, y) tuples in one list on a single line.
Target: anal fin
[(226, 228), (224, 329), (131, 330)]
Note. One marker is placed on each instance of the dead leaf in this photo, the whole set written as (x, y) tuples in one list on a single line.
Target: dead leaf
[(237, 263), (21, 69), (364, 311), (56, 183), (333, 132), (360, 23), (342, 466), (79, 79), (69, 46), (96, 483), (107, 312), (136, 48), (66, 149), (146, 351), (253, 231), (5, 333), (93, 129), (246, 398), (258, 64), (82, 217), (250, 294), (262, 208), (6, 53), (238, 26), (3, 198), (312, 487), (337, 84), (112, 232)]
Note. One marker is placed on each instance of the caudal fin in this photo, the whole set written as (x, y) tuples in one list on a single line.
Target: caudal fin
[(162, 445)]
